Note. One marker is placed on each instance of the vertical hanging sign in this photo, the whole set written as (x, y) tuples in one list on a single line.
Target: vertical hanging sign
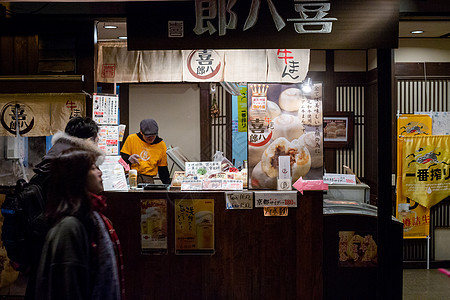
[(415, 217), (242, 110)]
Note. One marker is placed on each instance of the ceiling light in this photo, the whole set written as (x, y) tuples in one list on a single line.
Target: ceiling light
[(122, 37), (417, 31), (306, 86), (110, 26)]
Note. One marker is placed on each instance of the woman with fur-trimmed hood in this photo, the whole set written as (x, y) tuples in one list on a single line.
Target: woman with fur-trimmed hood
[(80, 133)]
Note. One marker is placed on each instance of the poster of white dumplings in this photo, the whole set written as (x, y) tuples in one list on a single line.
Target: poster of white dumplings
[(283, 120)]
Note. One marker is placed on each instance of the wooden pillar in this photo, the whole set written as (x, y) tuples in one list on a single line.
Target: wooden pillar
[(205, 122), (385, 60), (329, 106)]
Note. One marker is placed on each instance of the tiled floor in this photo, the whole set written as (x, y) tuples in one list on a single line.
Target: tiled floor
[(425, 285)]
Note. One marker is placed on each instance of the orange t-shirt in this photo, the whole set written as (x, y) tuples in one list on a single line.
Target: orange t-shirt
[(152, 155)]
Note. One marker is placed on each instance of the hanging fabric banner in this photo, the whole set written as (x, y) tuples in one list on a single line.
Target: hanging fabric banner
[(116, 64), (426, 169), (415, 217), (245, 66), (287, 65), (38, 114), (166, 66), (203, 65), (65, 107)]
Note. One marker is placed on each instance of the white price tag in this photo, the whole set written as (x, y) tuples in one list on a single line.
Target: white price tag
[(239, 200)]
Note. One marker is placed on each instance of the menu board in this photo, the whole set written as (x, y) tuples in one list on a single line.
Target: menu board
[(105, 110), (108, 139)]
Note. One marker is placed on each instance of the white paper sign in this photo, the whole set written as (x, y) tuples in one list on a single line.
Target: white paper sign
[(108, 139), (287, 199), (330, 178), (232, 185), (284, 167), (191, 185), (113, 175), (105, 109), (202, 168), (239, 200)]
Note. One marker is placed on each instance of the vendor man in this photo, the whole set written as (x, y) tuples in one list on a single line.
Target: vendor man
[(145, 151)]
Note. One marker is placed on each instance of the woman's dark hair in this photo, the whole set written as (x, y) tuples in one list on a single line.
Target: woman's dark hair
[(67, 194), (83, 128)]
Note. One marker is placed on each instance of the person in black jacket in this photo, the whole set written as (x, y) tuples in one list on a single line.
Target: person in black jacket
[(78, 259), (80, 132)]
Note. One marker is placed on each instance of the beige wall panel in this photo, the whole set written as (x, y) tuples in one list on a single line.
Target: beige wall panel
[(176, 108), (423, 50)]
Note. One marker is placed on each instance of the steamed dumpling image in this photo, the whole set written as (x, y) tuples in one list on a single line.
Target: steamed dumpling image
[(314, 145), (269, 159), (287, 126), (300, 160), (291, 99), (273, 109), (255, 153), (260, 180), (310, 113), (299, 156)]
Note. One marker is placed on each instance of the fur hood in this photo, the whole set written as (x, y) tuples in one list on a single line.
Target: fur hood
[(72, 141)]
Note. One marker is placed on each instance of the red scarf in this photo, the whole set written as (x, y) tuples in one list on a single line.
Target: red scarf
[(98, 203)]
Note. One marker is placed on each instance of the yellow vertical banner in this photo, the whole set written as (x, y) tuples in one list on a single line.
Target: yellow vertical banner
[(242, 110), (415, 217), (194, 226), (426, 169)]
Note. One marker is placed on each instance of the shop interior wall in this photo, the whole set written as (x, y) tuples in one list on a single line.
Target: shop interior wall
[(176, 108)]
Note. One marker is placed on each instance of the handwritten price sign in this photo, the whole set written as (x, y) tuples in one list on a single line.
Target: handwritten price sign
[(243, 200), (275, 211)]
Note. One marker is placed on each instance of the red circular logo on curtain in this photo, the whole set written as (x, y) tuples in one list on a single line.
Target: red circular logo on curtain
[(204, 64)]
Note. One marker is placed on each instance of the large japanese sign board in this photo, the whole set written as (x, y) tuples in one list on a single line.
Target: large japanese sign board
[(263, 24)]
